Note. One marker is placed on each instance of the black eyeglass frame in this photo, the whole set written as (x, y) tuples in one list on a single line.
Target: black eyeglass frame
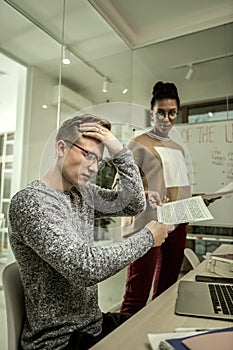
[(161, 114), (98, 160)]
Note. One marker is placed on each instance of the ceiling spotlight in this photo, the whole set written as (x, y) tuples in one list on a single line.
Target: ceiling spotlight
[(66, 56), (105, 86), (124, 91), (189, 73)]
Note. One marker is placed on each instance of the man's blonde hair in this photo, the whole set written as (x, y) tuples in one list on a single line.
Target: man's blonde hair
[(69, 130)]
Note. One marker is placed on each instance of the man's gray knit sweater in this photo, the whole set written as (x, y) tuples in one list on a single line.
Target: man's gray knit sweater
[(51, 235)]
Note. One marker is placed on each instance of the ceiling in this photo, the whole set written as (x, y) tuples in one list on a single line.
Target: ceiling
[(132, 43), (142, 23)]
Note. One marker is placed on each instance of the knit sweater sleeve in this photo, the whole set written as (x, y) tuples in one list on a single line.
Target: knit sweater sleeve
[(46, 230), (128, 199)]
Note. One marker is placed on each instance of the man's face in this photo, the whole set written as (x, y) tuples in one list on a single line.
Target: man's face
[(76, 168)]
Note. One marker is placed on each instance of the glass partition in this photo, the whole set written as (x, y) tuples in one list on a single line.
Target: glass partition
[(38, 35), (200, 64)]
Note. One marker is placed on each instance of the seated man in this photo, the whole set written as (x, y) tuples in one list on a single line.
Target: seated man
[(51, 235)]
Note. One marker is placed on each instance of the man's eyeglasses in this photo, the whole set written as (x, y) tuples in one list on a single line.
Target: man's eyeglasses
[(90, 156), (172, 115)]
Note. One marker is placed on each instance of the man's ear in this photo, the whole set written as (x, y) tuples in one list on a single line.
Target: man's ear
[(61, 147), (152, 118), (152, 115)]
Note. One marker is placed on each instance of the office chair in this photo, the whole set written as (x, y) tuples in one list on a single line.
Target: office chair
[(14, 300), (191, 257)]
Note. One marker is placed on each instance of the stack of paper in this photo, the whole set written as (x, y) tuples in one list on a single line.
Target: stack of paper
[(156, 339), (222, 264), (219, 339)]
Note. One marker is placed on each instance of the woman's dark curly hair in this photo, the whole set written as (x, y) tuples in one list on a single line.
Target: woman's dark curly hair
[(163, 91)]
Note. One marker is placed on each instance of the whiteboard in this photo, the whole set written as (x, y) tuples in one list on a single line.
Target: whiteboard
[(210, 146)]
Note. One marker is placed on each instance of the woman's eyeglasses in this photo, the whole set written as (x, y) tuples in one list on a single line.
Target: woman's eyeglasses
[(90, 156), (172, 115)]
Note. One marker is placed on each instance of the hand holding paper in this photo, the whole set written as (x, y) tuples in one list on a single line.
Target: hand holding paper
[(185, 210), (228, 189)]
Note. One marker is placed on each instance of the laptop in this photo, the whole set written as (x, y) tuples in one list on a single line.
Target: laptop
[(203, 299)]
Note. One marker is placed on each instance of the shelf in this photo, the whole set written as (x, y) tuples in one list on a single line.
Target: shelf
[(216, 238), (5, 200), (6, 175), (8, 171), (10, 142), (7, 158)]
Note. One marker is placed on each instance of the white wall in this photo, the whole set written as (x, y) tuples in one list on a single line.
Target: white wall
[(10, 72), (39, 123)]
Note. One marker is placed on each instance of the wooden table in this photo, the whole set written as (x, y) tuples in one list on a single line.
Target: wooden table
[(159, 317)]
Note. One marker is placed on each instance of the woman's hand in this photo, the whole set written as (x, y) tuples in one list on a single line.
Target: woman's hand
[(99, 132), (206, 201), (155, 199)]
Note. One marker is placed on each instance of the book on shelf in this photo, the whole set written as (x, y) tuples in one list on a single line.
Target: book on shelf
[(219, 339)]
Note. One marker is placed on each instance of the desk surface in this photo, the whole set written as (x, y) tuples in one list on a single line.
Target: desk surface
[(158, 317)]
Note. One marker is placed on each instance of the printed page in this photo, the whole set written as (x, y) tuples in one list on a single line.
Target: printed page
[(185, 210)]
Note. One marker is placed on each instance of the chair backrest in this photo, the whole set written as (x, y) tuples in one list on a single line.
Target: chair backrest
[(191, 257), (14, 301)]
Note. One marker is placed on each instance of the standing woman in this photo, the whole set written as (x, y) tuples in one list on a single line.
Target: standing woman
[(165, 177)]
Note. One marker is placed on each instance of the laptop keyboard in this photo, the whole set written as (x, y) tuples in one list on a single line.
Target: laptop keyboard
[(222, 298)]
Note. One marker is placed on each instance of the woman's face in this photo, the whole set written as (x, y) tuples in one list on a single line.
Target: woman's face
[(164, 115)]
